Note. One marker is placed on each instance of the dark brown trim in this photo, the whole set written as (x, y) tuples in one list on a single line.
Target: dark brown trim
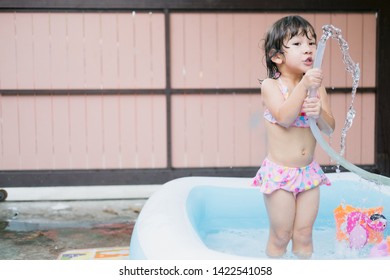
[(383, 97), (168, 91), (81, 92), (198, 5), (48, 178), (134, 176)]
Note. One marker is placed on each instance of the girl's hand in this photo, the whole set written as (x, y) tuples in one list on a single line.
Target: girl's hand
[(312, 107), (312, 78)]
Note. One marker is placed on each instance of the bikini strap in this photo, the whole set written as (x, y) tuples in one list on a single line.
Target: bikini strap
[(283, 88)]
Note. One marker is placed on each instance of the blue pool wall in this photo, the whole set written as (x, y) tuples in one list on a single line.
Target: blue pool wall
[(213, 208)]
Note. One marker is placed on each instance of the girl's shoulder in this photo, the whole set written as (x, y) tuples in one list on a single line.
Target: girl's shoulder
[(269, 85), (268, 82)]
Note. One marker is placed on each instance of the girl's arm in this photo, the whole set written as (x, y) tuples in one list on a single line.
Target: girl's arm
[(285, 111), (319, 108)]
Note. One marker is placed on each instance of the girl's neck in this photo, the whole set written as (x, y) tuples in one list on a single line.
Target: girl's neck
[(291, 78)]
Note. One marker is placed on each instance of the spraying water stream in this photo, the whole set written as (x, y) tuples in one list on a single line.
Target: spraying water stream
[(353, 68)]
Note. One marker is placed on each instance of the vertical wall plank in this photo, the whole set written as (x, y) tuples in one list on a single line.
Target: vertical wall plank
[(109, 50), (179, 132), (126, 51), (95, 131), (44, 133), (60, 128), (76, 51), (210, 136), (8, 53), (355, 134), (258, 70), (111, 135), (319, 21), (76, 106), (59, 51), (93, 68), (339, 109), (209, 50), (41, 50), (24, 51), (129, 156), (241, 49), (367, 131), (338, 75), (28, 132), (10, 133), (368, 48), (354, 35)]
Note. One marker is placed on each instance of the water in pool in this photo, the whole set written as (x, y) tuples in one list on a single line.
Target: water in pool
[(250, 243), (248, 238)]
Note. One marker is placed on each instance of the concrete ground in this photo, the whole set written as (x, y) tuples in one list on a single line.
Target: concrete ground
[(41, 223)]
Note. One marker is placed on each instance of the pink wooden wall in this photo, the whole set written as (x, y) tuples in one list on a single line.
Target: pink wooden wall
[(81, 51)]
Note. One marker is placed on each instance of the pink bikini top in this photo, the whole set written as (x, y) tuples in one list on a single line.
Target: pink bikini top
[(301, 121)]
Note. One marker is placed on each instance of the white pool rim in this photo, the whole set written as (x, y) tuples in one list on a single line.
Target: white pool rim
[(164, 230)]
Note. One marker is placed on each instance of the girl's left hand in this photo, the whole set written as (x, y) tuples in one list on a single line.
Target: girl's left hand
[(312, 107)]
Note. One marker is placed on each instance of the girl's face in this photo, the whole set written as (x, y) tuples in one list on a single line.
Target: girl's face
[(299, 53)]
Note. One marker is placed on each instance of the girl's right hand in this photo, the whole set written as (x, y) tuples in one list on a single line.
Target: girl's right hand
[(312, 78)]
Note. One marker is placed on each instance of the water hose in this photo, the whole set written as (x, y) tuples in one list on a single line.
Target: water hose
[(329, 30)]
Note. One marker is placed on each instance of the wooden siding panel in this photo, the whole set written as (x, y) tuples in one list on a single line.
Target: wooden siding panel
[(210, 133), (127, 51), (360, 148), (209, 66), (76, 51), (93, 68), (258, 70), (367, 128), (178, 123), (225, 56), (128, 124), (82, 50), (28, 132), (109, 50), (60, 128), (368, 48), (355, 133), (226, 147), (157, 49), (83, 132), (24, 57), (217, 130), (41, 50), (354, 36), (338, 75), (44, 133), (241, 50), (78, 149), (59, 52), (111, 131), (8, 66), (10, 134), (319, 21)]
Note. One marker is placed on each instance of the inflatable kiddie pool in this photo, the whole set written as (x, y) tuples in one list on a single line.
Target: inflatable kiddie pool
[(225, 218)]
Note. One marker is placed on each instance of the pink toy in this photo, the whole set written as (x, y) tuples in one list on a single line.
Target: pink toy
[(380, 250), (358, 224)]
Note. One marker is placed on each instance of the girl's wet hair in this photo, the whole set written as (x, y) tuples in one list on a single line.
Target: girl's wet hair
[(284, 29)]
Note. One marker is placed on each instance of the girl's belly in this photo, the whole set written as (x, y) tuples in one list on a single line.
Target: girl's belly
[(292, 147)]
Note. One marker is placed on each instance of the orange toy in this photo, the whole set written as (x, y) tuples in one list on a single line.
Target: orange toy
[(342, 216)]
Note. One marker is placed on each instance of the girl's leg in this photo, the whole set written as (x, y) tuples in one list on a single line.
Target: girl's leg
[(307, 204), (281, 211)]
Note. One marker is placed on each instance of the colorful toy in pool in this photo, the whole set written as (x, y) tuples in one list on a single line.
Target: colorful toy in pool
[(359, 226), (382, 249)]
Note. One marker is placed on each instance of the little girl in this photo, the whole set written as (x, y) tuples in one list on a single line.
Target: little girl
[(288, 176)]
